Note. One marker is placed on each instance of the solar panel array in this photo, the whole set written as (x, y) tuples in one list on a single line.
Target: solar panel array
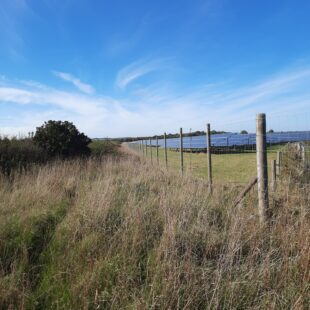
[(233, 139)]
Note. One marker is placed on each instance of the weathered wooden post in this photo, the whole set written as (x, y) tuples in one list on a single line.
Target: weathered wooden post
[(146, 148), (151, 150), (279, 162), (181, 151), (262, 172), (157, 150), (303, 154), (142, 145), (273, 175), (166, 157), (209, 157)]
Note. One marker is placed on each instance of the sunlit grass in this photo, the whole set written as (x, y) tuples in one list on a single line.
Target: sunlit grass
[(226, 168)]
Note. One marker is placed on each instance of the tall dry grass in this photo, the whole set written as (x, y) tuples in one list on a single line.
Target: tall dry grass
[(18, 153), (122, 234)]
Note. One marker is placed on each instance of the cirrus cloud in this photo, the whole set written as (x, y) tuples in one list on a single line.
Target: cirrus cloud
[(85, 88), (137, 69)]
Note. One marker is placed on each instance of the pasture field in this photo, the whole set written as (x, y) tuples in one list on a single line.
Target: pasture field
[(226, 168)]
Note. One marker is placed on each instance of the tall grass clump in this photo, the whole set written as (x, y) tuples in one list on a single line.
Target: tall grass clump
[(122, 234), (16, 154)]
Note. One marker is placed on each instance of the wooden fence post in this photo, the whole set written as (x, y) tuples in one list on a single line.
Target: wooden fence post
[(166, 157), (273, 175), (157, 150), (262, 172), (209, 157), (146, 148), (142, 145), (279, 162), (151, 151), (181, 151), (303, 154)]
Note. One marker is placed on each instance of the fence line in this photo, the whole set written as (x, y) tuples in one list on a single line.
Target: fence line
[(236, 159)]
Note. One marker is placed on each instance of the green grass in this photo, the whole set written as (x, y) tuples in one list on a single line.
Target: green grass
[(23, 244), (226, 168), (104, 147)]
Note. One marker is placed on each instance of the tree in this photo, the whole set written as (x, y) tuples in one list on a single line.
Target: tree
[(61, 139), (271, 131), (244, 132)]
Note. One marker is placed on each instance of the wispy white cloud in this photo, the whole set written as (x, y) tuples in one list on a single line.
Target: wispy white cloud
[(285, 97), (138, 69), (85, 88), (73, 102)]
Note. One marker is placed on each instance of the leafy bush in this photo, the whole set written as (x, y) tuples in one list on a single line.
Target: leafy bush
[(61, 139)]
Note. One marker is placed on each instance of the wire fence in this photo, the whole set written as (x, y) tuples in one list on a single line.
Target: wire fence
[(233, 154), (266, 157)]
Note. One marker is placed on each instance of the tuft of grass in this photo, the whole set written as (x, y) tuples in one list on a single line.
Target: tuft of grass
[(125, 234)]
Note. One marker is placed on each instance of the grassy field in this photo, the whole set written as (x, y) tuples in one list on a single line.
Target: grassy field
[(119, 234), (226, 168), (115, 233)]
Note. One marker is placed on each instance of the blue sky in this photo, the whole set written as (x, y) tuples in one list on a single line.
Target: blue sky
[(127, 68)]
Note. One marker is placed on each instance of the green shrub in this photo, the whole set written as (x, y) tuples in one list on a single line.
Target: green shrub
[(61, 139)]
